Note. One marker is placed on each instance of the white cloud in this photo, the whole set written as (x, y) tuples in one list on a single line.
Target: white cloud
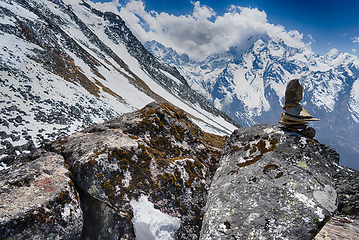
[(311, 37), (203, 32), (354, 50), (355, 39)]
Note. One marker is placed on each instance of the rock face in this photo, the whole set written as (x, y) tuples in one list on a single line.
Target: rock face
[(271, 183), (346, 181), (339, 228), (152, 157), (345, 223), (38, 200)]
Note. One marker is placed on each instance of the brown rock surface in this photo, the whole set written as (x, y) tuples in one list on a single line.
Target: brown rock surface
[(339, 228)]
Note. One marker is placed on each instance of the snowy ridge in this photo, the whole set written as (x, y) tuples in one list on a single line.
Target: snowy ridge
[(354, 101), (65, 65), (248, 83)]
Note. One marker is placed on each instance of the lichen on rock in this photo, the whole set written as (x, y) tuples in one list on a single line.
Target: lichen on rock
[(157, 153), (270, 183), (38, 200)]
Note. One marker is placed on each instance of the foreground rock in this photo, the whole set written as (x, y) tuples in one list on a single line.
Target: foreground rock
[(345, 223), (152, 162), (346, 181), (339, 228), (271, 183), (38, 200)]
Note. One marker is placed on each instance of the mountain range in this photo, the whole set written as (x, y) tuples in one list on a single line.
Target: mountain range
[(65, 65), (248, 83)]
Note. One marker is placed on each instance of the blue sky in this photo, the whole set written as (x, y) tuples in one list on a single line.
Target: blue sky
[(326, 24)]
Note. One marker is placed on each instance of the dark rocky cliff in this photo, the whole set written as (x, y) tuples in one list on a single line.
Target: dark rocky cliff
[(149, 172)]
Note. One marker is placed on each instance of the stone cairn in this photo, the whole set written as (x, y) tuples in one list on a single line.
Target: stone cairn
[(295, 117)]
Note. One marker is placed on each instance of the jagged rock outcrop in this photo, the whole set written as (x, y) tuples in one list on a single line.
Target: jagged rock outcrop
[(152, 156), (346, 181), (271, 183), (38, 200), (345, 223)]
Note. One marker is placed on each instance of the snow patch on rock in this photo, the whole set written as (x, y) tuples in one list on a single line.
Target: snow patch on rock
[(151, 223)]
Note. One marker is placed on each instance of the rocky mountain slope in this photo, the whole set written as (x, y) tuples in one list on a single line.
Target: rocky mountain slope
[(147, 175), (65, 65), (248, 83)]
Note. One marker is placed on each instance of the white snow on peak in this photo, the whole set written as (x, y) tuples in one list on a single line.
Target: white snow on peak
[(250, 89), (151, 223), (106, 6), (336, 58), (3, 166), (354, 101), (332, 55)]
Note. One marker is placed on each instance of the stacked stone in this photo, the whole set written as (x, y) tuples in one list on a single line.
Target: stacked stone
[(295, 117)]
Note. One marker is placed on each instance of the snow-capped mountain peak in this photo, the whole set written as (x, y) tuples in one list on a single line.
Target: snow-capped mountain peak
[(248, 83)]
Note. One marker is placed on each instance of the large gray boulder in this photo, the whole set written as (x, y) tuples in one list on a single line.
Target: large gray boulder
[(271, 184), (38, 200), (146, 173)]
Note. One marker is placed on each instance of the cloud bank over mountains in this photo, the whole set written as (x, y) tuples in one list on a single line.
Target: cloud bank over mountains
[(203, 32)]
